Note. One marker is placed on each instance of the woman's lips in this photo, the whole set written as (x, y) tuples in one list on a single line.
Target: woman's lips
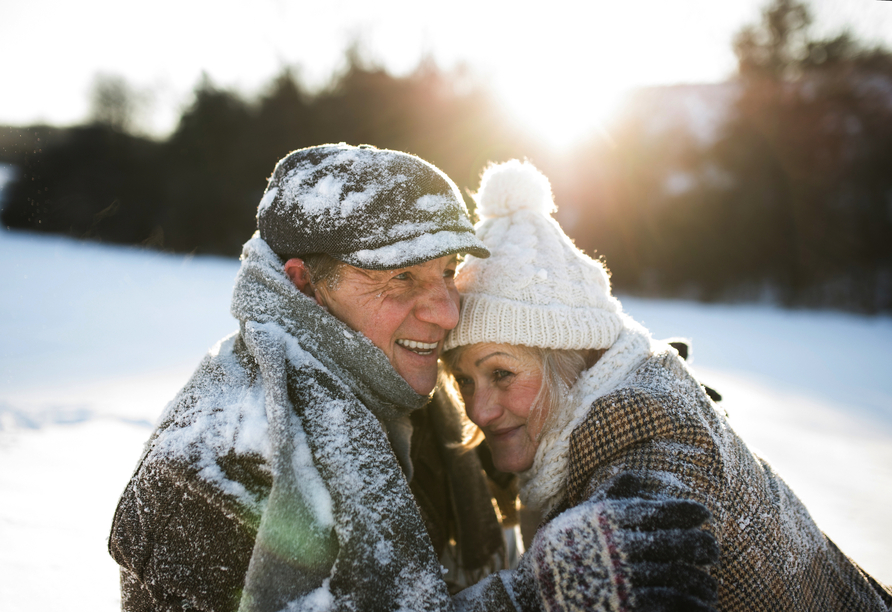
[(503, 433)]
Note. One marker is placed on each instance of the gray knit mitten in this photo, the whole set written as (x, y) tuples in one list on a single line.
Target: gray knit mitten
[(631, 550)]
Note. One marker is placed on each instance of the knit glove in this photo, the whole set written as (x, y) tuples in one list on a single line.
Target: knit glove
[(630, 550)]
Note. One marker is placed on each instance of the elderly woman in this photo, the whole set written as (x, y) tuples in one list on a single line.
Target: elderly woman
[(569, 392)]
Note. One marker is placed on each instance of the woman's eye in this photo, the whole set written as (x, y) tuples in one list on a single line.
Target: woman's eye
[(462, 381), (501, 374)]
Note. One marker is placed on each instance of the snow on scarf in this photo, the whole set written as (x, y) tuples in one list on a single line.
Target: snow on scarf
[(340, 511)]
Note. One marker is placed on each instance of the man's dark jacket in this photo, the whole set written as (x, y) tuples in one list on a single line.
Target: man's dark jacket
[(334, 508)]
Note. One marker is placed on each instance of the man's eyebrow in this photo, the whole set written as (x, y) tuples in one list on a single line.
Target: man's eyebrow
[(494, 354)]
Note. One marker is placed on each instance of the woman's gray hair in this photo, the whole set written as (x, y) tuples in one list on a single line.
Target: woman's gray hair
[(560, 369)]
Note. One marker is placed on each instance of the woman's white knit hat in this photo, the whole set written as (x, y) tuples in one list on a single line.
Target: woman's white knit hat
[(536, 288)]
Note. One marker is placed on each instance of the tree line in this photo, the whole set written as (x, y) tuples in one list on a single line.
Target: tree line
[(789, 200), (197, 190)]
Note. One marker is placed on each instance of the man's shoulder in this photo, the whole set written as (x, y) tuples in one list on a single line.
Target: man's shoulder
[(205, 466), (213, 434), (223, 386)]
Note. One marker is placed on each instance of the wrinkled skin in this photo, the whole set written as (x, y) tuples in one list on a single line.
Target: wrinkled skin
[(498, 384), (405, 312)]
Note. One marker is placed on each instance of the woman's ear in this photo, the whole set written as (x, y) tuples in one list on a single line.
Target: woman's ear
[(300, 275)]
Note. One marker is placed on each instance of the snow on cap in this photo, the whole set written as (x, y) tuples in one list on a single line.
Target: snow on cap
[(371, 208), (537, 289)]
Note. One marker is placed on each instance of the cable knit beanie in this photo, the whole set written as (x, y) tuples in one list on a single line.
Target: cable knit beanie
[(536, 289), (371, 208)]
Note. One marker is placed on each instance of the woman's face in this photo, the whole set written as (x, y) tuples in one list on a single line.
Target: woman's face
[(498, 383)]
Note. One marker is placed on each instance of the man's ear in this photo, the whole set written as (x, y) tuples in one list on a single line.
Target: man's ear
[(299, 274)]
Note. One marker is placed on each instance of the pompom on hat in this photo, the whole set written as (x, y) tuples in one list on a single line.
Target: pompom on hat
[(536, 289)]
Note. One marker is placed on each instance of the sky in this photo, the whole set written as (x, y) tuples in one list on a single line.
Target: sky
[(560, 67)]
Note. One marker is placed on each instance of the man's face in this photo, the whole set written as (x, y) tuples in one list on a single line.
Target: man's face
[(405, 312)]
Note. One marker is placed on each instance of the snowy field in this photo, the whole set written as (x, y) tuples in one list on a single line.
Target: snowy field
[(95, 339)]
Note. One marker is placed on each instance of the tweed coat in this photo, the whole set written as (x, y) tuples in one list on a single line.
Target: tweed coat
[(661, 423)]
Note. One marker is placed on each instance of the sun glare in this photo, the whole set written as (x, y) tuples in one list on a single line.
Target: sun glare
[(563, 117), (563, 68), (568, 76)]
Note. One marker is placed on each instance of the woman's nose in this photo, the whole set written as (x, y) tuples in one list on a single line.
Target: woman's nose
[(484, 408)]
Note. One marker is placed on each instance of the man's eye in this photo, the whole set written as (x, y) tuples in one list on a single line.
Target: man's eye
[(402, 276), (449, 273)]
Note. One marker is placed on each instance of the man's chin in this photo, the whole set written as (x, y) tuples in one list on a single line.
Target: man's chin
[(421, 375), (424, 389), (422, 383)]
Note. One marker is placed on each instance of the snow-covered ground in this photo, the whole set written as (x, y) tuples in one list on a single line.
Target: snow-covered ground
[(95, 339)]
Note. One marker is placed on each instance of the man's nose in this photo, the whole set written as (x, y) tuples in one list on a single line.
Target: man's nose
[(439, 305)]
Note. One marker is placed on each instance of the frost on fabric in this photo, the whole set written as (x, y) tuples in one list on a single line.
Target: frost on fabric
[(783, 526), (318, 600), (357, 200), (383, 552), (348, 184), (368, 486), (416, 588), (432, 202), (267, 199), (325, 195), (322, 195), (671, 481), (417, 249), (310, 483), (572, 558), (399, 230), (228, 416), (333, 447)]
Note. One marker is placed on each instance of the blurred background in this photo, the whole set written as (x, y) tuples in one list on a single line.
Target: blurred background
[(733, 151), (732, 163)]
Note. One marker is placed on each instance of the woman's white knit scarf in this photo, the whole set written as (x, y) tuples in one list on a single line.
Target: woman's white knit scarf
[(544, 484)]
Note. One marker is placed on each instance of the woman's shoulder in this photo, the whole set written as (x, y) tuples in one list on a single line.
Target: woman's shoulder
[(659, 405), (660, 391)]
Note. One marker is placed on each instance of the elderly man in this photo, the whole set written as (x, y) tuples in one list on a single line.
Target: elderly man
[(280, 475)]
